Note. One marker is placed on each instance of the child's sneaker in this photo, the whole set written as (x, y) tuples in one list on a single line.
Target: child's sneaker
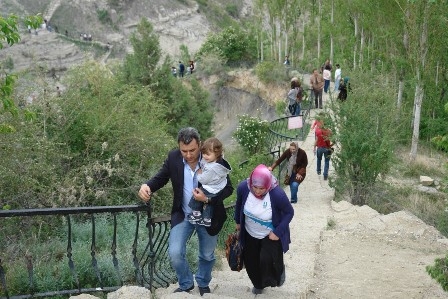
[(207, 222), (194, 218)]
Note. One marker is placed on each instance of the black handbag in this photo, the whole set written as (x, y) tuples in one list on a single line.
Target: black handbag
[(234, 252)]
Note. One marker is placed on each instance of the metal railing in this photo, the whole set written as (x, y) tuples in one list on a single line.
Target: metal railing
[(151, 265)]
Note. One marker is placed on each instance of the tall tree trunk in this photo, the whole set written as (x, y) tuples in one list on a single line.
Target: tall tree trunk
[(418, 99), (422, 51), (302, 56), (331, 32), (279, 41), (319, 17), (400, 91), (361, 47)]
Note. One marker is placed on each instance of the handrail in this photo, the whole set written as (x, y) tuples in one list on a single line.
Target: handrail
[(151, 266)]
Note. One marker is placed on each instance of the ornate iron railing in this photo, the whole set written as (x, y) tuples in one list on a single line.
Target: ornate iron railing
[(278, 128), (151, 265)]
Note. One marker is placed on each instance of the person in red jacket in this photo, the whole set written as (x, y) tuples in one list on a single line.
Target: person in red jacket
[(323, 147)]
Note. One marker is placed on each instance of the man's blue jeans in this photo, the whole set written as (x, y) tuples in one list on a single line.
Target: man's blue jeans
[(177, 251), (323, 151), (294, 188)]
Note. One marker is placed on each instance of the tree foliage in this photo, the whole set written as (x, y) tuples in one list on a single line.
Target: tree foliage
[(233, 44), (140, 65), (364, 133), (9, 33)]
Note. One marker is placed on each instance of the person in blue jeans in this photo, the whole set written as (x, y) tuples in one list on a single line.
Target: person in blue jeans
[(296, 167), (323, 148), (180, 167)]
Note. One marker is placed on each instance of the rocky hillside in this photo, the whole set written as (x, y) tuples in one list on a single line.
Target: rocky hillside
[(110, 23)]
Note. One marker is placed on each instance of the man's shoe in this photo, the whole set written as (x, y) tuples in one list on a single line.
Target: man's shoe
[(257, 291), (204, 290), (179, 290), (325, 178), (318, 173)]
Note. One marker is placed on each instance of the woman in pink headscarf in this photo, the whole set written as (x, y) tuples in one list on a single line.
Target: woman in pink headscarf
[(262, 215)]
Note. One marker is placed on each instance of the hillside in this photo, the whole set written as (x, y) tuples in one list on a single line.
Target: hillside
[(176, 22)]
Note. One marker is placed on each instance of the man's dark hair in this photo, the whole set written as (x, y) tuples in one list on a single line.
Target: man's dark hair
[(186, 135)]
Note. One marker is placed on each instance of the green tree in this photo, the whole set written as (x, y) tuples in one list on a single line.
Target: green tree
[(140, 65), (364, 130), (233, 44), (9, 33)]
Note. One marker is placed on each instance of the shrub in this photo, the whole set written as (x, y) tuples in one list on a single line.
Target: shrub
[(233, 44), (439, 271), (271, 72), (251, 134)]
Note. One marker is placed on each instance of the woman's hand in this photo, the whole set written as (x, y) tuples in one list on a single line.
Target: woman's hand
[(273, 236), (238, 227)]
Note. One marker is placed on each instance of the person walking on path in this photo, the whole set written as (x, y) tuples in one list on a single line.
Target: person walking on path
[(323, 147), (327, 77), (295, 95), (181, 69), (262, 215), (317, 84), (296, 168), (337, 77), (181, 167), (213, 178)]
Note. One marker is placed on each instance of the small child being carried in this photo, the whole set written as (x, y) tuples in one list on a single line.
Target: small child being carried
[(213, 178)]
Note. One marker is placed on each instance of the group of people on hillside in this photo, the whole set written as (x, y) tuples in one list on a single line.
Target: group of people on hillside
[(320, 83), (180, 72)]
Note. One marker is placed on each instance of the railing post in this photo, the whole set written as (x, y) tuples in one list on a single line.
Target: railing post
[(138, 274), (3, 279), (114, 250), (29, 267), (93, 253), (151, 253), (71, 264)]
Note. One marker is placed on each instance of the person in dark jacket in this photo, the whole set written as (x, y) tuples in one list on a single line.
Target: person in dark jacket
[(262, 215), (181, 167), (181, 69), (296, 168)]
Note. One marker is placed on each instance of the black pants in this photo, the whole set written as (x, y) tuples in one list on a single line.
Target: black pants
[(263, 260)]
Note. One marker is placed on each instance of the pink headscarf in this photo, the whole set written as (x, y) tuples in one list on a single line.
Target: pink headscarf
[(261, 177)]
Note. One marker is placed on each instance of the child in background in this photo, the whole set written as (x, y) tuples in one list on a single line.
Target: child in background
[(213, 178)]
